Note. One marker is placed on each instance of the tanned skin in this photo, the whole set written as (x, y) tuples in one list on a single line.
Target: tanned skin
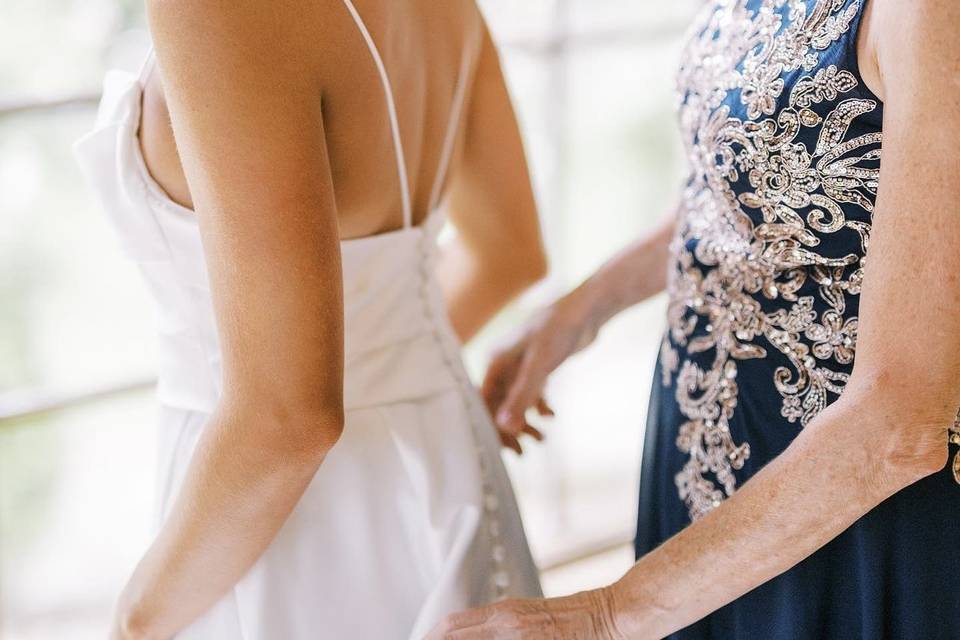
[(269, 120)]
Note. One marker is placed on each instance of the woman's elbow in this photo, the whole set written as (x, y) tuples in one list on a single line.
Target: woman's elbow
[(523, 265), (909, 425), (541, 266), (509, 271), (300, 433), (532, 267), (919, 449), (316, 432)]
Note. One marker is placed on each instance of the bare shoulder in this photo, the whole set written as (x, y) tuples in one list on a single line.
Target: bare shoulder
[(280, 33), (916, 44), (242, 17)]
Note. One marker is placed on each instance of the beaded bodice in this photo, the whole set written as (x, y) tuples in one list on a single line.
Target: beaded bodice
[(783, 140)]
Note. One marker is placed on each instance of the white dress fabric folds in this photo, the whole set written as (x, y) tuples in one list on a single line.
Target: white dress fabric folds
[(411, 516)]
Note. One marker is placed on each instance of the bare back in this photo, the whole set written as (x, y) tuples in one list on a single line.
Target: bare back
[(426, 48)]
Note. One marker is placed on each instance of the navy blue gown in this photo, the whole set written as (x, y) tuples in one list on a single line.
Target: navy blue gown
[(783, 140)]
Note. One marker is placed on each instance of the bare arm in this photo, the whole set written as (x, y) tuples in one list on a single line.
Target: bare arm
[(888, 430), (246, 112), (497, 251), (517, 374), (635, 274)]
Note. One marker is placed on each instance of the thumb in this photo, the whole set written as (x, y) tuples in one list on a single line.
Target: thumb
[(523, 393)]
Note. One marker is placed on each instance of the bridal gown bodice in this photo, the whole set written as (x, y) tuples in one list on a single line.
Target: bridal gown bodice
[(411, 516), (396, 337)]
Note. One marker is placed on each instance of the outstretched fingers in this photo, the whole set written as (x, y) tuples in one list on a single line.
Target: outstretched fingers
[(525, 391)]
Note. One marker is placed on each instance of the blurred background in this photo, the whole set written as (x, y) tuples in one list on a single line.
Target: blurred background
[(593, 84)]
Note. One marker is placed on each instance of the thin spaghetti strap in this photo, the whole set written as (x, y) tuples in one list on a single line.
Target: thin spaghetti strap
[(453, 126), (394, 120), (147, 66)]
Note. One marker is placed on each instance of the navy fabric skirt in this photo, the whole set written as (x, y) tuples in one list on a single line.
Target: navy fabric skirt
[(894, 574)]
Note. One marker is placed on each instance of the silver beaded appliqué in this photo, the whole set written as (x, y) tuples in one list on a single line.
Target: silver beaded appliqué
[(759, 203)]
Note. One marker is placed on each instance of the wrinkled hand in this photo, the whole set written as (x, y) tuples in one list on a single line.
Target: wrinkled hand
[(584, 616), (515, 379)]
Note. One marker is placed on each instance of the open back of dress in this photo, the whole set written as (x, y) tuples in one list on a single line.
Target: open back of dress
[(411, 516)]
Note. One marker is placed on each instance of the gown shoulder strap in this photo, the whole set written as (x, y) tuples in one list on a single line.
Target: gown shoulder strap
[(146, 67), (394, 120), (470, 51)]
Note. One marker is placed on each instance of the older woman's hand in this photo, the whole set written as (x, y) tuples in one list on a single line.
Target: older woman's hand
[(517, 374), (584, 616)]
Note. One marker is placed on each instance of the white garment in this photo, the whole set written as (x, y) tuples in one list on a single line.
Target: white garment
[(411, 516)]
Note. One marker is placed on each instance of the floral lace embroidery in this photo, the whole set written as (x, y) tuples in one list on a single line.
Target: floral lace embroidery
[(758, 206)]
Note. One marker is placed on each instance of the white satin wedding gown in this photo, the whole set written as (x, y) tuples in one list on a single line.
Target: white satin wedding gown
[(411, 516)]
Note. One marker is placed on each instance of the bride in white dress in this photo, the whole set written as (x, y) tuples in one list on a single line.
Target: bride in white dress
[(326, 468)]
